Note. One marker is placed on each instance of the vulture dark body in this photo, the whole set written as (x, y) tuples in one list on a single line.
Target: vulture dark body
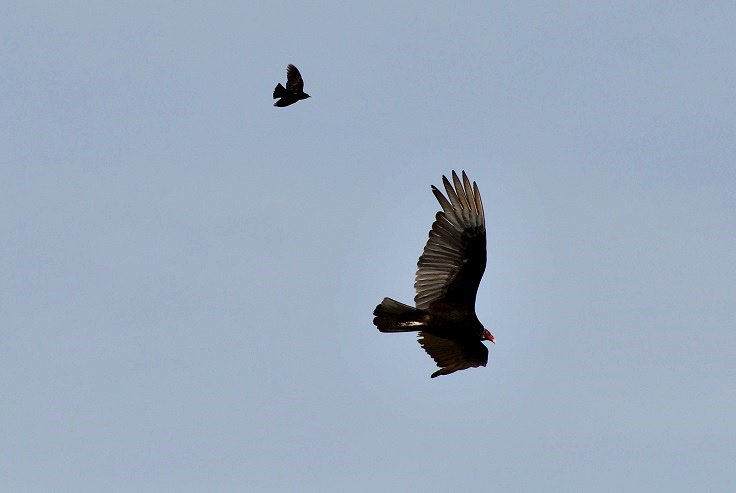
[(448, 275)]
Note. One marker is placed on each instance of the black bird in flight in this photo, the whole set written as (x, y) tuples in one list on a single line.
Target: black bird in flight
[(448, 275), (294, 90)]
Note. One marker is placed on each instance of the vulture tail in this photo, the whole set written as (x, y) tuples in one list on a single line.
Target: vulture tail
[(392, 316)]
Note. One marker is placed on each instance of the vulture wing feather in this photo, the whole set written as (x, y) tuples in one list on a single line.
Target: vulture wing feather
[(454, 258)]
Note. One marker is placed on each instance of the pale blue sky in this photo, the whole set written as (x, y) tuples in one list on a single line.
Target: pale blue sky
[(187, 273)]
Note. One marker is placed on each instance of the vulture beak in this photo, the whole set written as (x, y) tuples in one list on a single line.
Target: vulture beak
[(489, 336)]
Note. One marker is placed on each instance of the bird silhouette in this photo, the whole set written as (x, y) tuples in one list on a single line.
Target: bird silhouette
[(448, 275), (294, 90)]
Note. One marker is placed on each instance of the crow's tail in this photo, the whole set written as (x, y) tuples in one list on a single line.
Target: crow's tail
[(279, 91)]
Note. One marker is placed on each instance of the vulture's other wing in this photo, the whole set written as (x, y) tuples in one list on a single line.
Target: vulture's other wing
[(452, 356)]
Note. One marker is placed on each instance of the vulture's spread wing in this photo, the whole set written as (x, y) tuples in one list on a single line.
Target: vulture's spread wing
[(454, 258)]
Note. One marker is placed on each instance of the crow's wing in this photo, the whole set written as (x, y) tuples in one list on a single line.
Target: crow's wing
[(454, 258), (452, 356), (294, 80)]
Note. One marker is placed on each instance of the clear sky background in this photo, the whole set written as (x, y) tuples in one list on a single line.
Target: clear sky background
[(188, 274)]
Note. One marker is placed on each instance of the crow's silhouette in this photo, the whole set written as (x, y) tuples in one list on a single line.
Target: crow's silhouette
[(294, 90)]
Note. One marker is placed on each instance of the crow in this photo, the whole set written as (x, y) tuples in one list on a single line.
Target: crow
[(294, 90)]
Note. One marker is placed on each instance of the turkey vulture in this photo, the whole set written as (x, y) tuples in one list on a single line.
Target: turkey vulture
[(448, 275), (294, 90)]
